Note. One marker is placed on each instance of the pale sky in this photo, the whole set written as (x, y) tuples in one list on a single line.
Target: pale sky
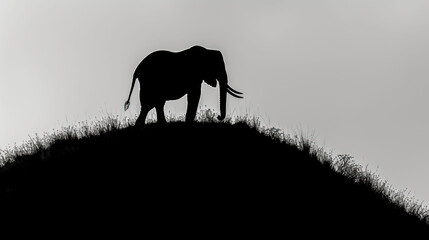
[(353, 72)]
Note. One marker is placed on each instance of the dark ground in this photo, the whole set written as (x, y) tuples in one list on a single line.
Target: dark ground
[(202, 179)]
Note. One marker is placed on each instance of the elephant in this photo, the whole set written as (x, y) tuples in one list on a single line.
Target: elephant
[(164, 75)]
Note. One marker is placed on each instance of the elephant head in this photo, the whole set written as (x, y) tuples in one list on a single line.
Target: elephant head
[(214, 69)]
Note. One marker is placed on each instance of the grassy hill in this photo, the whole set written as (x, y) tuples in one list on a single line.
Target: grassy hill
[(208, 177)]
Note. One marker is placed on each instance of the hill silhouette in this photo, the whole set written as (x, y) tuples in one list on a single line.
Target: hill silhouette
[(208, 177)]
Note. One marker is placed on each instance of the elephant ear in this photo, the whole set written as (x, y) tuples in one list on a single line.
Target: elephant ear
[(211, 81)]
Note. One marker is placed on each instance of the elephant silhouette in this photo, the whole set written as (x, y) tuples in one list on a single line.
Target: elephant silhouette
[(165, 75)]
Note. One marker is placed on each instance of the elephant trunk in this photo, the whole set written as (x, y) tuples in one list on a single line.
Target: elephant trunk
[(223, 88), (222, 77)]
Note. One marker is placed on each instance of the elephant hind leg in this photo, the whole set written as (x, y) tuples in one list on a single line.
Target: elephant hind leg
[(160, 113), (142, 117)]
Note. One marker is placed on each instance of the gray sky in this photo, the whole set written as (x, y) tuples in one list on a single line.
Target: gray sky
[(354, 72)]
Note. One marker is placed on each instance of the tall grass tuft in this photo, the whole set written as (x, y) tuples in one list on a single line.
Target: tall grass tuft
[(84, 129)]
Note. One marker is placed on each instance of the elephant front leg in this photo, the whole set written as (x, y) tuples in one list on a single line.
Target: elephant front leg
[(193, 100)]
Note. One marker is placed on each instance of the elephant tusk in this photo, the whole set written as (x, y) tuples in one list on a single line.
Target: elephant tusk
[(233, 94), (232, 90)]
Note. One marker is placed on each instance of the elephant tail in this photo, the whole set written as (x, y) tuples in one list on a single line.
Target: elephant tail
[(127, 103)]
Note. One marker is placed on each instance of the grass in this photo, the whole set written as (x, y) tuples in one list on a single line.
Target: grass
[(236, 172)]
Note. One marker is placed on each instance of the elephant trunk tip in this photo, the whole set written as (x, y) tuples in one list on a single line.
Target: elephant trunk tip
[(220, 117)]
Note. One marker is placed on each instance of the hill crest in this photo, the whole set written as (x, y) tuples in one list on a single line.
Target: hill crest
[(233, 172)]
